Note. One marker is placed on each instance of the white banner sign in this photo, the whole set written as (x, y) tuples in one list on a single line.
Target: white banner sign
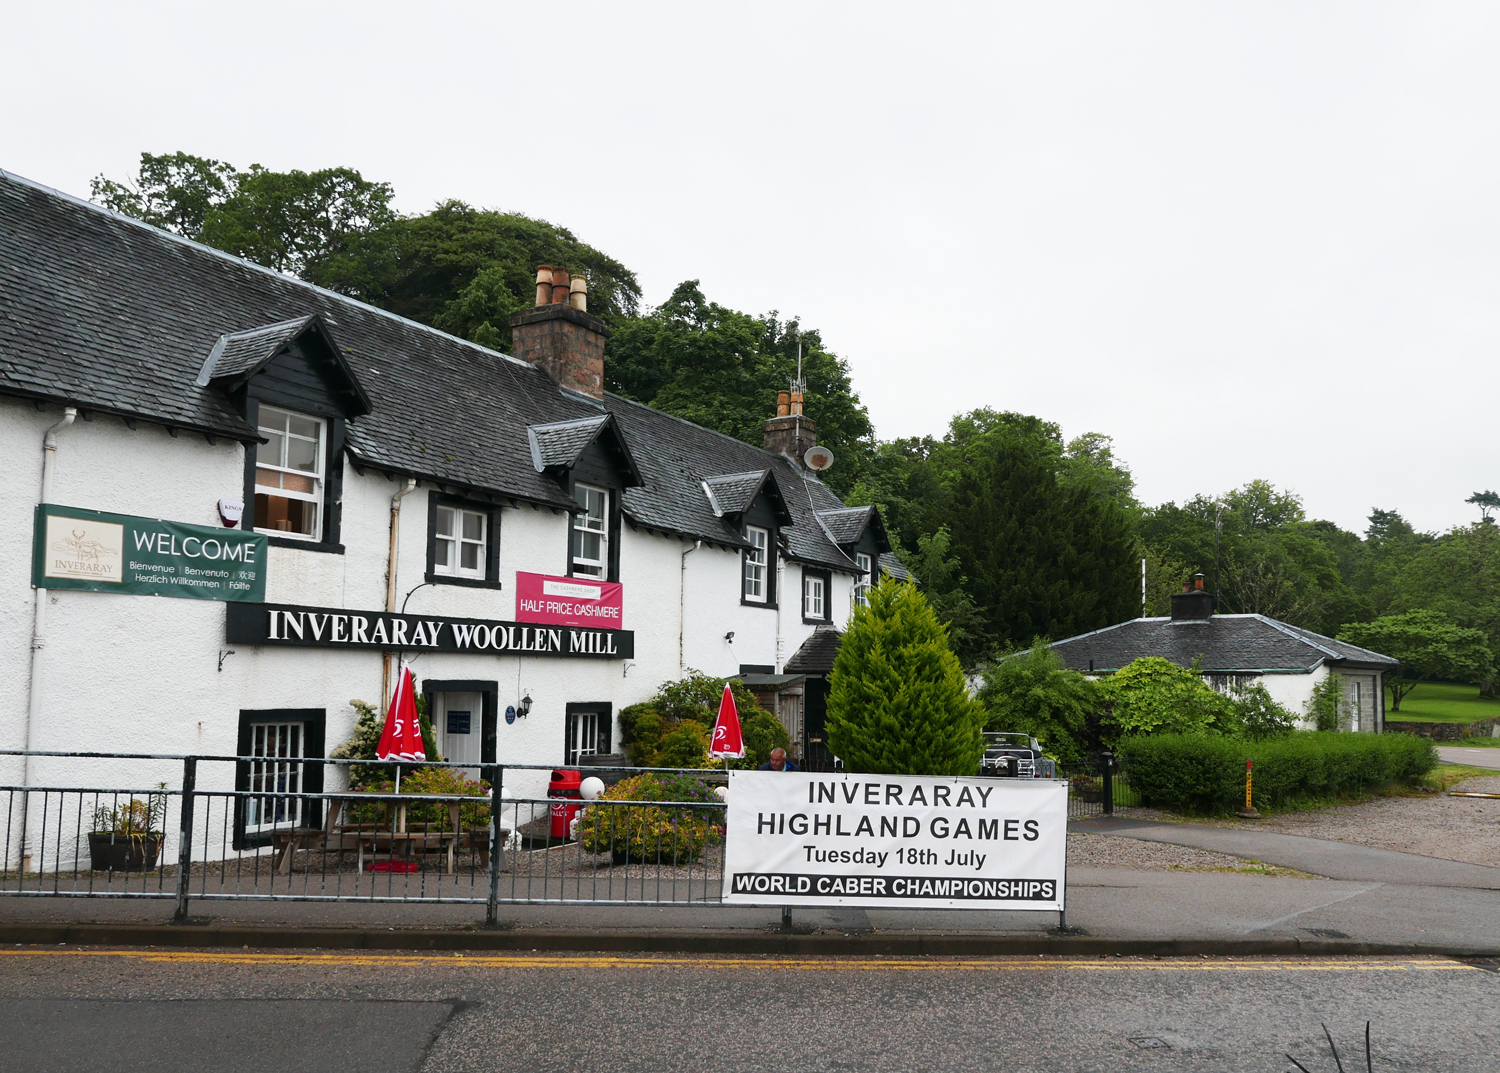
[(895, 841)]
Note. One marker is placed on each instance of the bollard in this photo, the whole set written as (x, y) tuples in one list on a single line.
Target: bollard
[(1108, 794), (1248, 812)]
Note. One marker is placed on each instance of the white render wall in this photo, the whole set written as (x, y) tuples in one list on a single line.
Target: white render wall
[(127, 673)]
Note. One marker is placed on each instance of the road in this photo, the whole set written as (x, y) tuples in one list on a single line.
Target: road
[(1474, 757), (122, 1011)]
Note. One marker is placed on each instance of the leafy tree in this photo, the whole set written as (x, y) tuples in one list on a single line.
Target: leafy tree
[(1487, 502), (1153, 695), (1032, 692), (898, 703), (722, 369), (1043, 559), (303, 223), (1429, 645), (672, 728), (947, 592)]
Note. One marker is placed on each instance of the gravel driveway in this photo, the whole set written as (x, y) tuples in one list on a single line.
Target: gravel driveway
[(1110, 851), (1454, 828)]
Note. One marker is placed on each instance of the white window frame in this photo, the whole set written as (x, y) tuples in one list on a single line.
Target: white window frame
[(862, 583), (277, 776), (810, 600), (585, 727), (581, 525), (451, 545), (318, 475), (753, 585)]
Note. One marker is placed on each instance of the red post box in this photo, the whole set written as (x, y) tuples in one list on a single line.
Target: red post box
[(564, 785)]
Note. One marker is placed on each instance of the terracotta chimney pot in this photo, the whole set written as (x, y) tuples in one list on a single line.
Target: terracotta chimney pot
[(783, 403), (559, 286), (578, 293), (543, 284)]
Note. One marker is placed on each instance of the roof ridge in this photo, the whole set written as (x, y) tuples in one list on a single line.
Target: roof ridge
[(693, 424), (1297, 634), (162, 232)]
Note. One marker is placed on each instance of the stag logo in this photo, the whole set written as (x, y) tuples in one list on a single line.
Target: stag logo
[(82, 548)]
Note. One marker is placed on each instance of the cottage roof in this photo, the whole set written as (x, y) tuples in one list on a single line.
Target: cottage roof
[(1225, 644), (115, 316), (817, 653)]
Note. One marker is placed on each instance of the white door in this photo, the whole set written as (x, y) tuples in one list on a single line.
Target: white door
[(459, 728)]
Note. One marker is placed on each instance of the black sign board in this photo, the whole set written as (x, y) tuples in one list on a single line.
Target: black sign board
[(336, 627)]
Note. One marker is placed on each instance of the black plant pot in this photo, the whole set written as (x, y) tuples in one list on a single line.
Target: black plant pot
[(109, 852)]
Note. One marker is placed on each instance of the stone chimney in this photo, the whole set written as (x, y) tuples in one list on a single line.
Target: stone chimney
[(790, 432), (559, 334), (1194, 603)]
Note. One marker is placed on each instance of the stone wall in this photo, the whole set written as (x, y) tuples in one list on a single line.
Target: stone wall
[(1483, 728)]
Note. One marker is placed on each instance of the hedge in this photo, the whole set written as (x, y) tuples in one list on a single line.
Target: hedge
[(1203, 773)]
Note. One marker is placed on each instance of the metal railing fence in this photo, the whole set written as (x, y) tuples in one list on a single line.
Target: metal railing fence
[(1098, 786), (210, 838)]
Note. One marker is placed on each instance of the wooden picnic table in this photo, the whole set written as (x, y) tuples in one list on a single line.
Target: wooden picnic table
[(389, 833)]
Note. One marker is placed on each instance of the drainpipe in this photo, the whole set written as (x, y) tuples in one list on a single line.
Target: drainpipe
[(390, 579), (39, 630), (780, 650), (682, 608)]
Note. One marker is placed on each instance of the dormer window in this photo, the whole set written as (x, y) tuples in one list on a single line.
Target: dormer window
[(591, 533), (862, 584), (290, 468), (756, 560)]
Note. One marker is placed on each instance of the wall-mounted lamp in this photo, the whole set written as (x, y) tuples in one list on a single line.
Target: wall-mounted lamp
[(524, 708), (729, 637), (625, 667)]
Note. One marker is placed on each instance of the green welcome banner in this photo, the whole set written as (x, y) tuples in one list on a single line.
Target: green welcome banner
[(75, 548)]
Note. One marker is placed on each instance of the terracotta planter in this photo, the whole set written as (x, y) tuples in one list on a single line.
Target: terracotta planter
[(109, 852)]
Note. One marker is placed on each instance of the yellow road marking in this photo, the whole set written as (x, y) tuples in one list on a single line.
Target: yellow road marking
[(812, 963)]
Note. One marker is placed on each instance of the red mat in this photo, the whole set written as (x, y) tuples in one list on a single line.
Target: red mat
[(393, 866)]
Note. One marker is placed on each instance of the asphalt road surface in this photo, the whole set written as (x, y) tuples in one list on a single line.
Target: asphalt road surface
[(92, 1010)]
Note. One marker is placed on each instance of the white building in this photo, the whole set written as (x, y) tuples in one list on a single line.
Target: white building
[(399, 479), (1233, 652)]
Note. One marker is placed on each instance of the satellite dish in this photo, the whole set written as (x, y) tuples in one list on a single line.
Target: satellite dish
[(818, 459)]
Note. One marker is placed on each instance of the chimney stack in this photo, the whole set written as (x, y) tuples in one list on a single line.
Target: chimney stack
[(1194, 603), (790, 432), (559, 333)]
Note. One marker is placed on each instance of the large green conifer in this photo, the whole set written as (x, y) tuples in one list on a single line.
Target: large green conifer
[(897, 700)]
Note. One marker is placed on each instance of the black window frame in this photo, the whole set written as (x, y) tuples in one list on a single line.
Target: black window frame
[(827, 576), (314, 737), (489, 708), (771, 553), (491, 579), (607, 727), (333, 481), (612, 497)]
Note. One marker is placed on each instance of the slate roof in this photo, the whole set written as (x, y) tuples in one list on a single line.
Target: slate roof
[(240, 354), (114, 316), (889, 564), (817, 653), (734, 492), (562, 443), (847, 524), (1226, 644)]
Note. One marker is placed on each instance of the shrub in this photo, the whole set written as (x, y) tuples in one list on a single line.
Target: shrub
[(362, 744), (651, 833), (1206, 773), (1155, 696), (428, 780), (1324, 708), (1260, 717), (661, 732), (898, 703), (1033, 693)]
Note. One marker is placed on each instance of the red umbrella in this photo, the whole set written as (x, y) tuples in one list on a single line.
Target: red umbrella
[(729, 742), (402, 737)]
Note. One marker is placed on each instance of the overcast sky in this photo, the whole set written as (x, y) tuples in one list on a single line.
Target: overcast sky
[(1245, 240)]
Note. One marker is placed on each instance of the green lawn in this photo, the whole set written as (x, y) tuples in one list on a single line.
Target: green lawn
[(1443, 702)]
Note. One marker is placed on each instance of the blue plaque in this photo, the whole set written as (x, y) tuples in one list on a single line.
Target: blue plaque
[(510, 713)]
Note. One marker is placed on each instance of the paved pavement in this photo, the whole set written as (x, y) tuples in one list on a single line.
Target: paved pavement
[(1483, 757), (187, 1011), (1370, 896)]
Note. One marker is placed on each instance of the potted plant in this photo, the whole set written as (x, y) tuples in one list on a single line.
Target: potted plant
[(127, 837)]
